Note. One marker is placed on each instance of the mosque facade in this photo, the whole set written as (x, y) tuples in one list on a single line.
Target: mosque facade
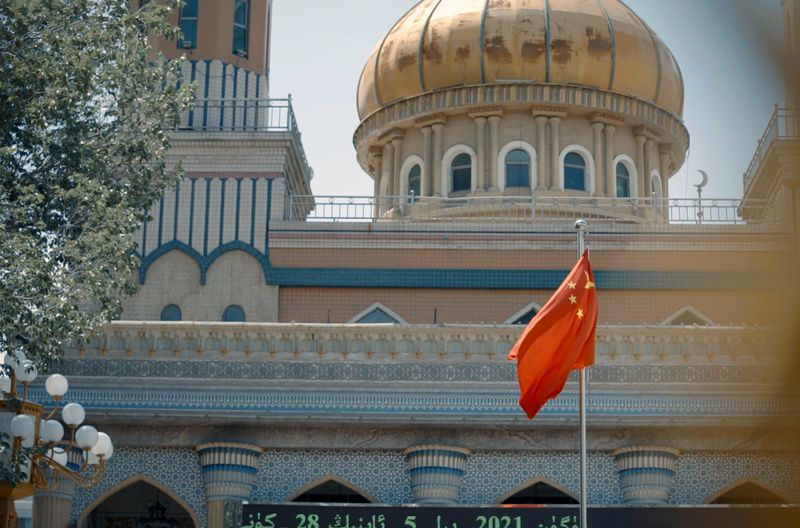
[(288, 348)]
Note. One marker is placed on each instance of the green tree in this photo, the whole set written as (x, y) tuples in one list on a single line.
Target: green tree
[(85, 114)]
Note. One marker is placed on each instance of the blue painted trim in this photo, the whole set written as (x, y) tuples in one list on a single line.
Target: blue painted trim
[(613, 33), (235, 86), (269, 215), (547, 40), (221, 209), (176, 204), (234, 246), (509, 279), (208, 204), (230, 467), (246, 93), (144, 235), (238, 207), (191, 214), (203, 262), (253, 212), (205, 93), (482, 43), (222, 97), (160, 219), (175, 245), (192, 78), (436, 470)]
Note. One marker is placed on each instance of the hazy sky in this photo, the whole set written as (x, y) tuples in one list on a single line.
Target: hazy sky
[(319, 48)]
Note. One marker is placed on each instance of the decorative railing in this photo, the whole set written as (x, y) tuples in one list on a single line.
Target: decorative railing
[(244, 115), (660, 345), (533, 208), (784, 124)]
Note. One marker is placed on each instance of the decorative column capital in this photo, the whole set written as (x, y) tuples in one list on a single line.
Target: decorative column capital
[(229, 470), (646, 473), (436, 472)]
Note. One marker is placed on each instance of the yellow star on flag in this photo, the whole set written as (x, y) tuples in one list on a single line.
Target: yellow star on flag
[(573, 299), (571, 285), (580, 313)]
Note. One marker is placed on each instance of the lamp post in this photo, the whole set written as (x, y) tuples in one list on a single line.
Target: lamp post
[(34, 440)]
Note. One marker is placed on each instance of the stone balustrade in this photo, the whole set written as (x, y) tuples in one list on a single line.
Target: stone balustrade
[(616, 345)]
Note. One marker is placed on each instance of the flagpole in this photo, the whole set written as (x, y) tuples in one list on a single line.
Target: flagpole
[(581, 227)]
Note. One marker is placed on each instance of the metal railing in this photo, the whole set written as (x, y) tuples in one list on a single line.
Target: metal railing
[(244, 115), (531, 209), (784, 124)]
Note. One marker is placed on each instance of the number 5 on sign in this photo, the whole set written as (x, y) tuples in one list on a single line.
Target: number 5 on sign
[(411, 521)]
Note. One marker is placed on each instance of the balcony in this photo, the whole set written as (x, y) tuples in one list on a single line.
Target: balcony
[(535, 208), (245, 116), (783, 132)]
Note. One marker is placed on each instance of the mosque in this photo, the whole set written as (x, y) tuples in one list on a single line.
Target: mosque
[(284, 348)]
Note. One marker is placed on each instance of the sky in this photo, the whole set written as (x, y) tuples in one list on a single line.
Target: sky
[(319, 48)]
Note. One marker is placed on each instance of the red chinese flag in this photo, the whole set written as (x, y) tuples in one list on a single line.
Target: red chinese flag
[(558, 339)]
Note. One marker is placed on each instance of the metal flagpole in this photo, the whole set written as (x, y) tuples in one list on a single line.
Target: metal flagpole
[(581, 227)]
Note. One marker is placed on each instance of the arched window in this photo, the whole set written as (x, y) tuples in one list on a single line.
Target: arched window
[(748, 493), (415, 180), (518, 169), (461, 173), (332, 492), (623, 181), (540, 493), (574, 172), (171, 312), (234, 314)]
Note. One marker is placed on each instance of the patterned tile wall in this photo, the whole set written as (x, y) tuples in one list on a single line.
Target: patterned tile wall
[(490, 475)]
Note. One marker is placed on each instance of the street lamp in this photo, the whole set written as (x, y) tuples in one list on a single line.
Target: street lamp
[(34, 441)]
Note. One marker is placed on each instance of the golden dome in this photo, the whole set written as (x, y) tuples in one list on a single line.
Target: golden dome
[(445, 43)]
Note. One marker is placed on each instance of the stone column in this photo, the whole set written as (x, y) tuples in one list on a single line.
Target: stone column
[(611, 170), (646, 473), (663, 168), (229, 472), (648, 166), (436, 472), (397, 188), (386, 176), (438, 154), (52, 505), (541, 151), (426, 186), (378, 161), (640, 167), (599, 167), (555, 152), (480, 149), (494, 151)]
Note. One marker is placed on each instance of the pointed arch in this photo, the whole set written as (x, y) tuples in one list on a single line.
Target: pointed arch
[(377, 308), (533, 482), (515, 319), (330, 477), (744, 483), (163, 488), (687, 316)]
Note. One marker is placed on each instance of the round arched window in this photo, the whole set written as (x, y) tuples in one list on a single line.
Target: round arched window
[(461, 173), (574, 172), (234, 314), (518, 169), (623, 181), (171, 312), (415, 180)]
